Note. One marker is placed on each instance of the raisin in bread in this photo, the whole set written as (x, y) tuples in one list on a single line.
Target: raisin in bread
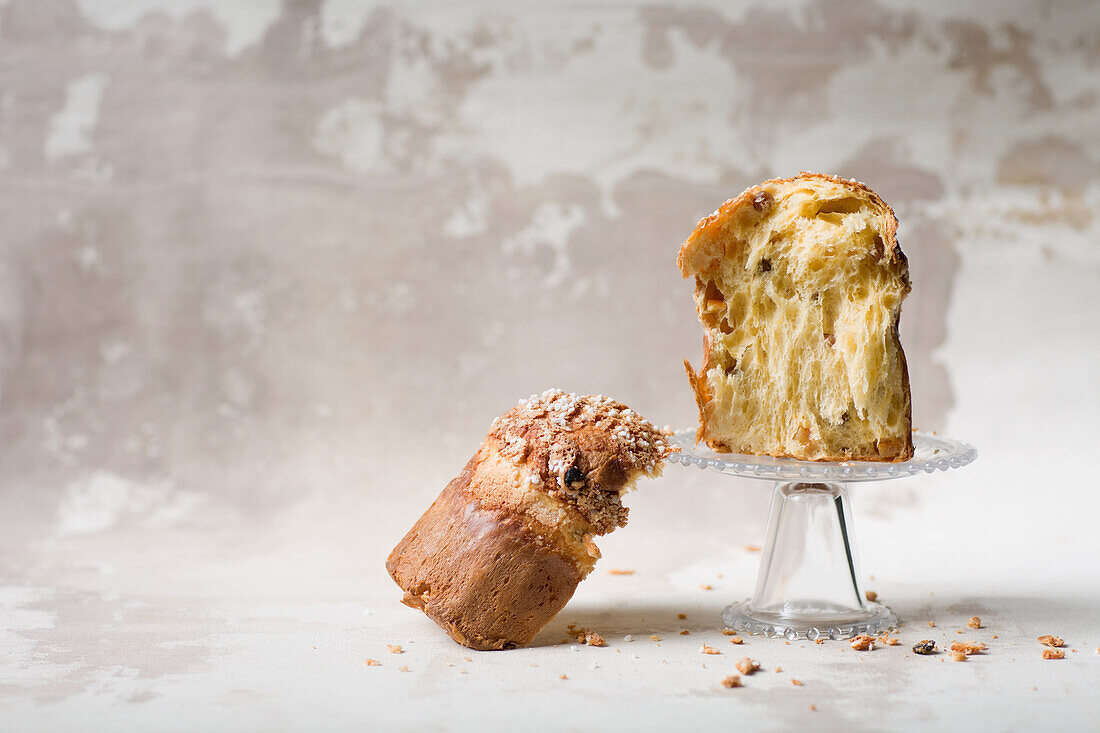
[(799, 284), (502, 549)]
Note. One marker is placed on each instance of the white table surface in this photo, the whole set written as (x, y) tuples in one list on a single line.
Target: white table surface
[(268, 627)]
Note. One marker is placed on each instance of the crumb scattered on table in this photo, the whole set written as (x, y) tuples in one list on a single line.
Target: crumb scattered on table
[(706, 586), (562, 677), (732, 680), (968, 647), (796, 683), (1048, 640), (974, 622), (736, 640), (747, 666), (708, 650), (728, 632), (931, 624), (1050, 653), (403, 668), (871, 596), (585, 635), (372, 662), (751, 548), (958, 656), (685, 632), (654, 637), (395, 648), (681, 616), (889, 640), (927, 646), (778, 669), (863, 643), (620, 571)]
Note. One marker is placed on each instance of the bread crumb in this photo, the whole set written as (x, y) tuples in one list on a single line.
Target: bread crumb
[(395, 648), (681, 616), (708, 650), (958, 656), (974, 622), (813, 708), (889, 640), (620, 571), (1053, 654), (467, 659), (728, 632), (654, 637), (706, 586), (871, 596), (927, 646), (628, 638), (732, 681), (931, 624), (736, 640), (968, 647), (747, 666), (819, 641), (751, 548), (796, 683), (1048, 640), (372, 662), (591, 638), (462, 671), (585, 636), (863, 643), (403, 668), (562, 677), (778, 669), (685, 632)]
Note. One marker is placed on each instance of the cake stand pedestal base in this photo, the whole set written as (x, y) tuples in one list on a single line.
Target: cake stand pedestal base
[(808, 585)]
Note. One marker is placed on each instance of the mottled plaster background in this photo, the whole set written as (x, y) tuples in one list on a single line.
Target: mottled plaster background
[(269, 269)]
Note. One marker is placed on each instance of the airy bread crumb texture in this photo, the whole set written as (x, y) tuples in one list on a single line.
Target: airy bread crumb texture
[(799, 284)]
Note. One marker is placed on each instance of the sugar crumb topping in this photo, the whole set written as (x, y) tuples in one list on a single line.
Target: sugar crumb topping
[(583, 449)]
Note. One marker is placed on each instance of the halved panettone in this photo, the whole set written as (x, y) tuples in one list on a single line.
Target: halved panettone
[(799, 284)]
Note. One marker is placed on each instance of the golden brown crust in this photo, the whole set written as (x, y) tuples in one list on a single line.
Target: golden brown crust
[(484, 576), (690, 255), (699, 255)]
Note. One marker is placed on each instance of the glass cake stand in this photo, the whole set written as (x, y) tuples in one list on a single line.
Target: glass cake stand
[(808, 583)]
